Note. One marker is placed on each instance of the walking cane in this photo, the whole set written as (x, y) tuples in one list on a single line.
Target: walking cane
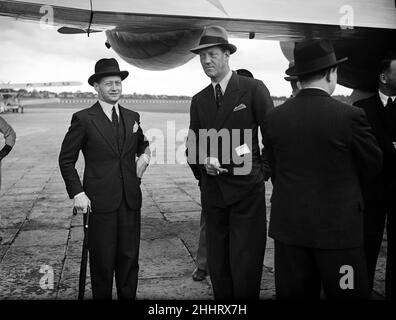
[(84, 255)]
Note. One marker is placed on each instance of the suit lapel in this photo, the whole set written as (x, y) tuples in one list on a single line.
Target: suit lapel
[(209, 106), (103, 125), (378, 123), (129, 122), (374, 114), (230, 100)]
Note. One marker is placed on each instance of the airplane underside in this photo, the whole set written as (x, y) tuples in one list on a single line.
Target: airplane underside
[(155, 41)]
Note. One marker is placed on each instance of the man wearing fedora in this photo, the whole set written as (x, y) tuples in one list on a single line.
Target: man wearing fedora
[(200, 271), (318, 149), (233, 199), (379, 192), (111, 139)]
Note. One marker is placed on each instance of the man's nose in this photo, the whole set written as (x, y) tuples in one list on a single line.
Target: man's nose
[(206, 59)]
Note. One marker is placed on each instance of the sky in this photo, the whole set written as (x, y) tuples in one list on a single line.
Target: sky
[(29, 53)]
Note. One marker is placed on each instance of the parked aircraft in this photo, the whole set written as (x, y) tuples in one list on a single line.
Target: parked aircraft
[(11, 100)]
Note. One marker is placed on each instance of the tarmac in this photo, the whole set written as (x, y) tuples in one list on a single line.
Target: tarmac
[(41, 248)]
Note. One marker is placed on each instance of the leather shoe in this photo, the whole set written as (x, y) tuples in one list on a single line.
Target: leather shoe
[(199, 274)]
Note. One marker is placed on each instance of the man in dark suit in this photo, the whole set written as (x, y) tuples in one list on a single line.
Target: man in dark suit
[(110, 139), (228, 113), (201, 270), (9, 136), (379, 193), (317, 148)]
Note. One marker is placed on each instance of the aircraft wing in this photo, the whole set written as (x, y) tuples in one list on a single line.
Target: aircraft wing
[(275, 19), (157, 34)]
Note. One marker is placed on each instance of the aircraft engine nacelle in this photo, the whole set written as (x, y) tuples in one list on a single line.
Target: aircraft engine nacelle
[(154, 51), (360, 71)]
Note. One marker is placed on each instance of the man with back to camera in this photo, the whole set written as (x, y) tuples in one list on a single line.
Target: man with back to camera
[(318, 147), (110, 138), (379, 192), (233, 200)]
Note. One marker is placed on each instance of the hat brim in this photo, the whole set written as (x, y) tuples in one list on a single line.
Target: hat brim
[(291, 78), (95, 77), (228, 46), (293, 72)]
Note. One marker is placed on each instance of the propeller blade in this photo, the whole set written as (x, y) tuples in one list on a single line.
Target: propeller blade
[(68, 30)]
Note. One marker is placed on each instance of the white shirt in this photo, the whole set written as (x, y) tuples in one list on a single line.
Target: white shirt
[(108, 109), (384, 98), (223, 83)]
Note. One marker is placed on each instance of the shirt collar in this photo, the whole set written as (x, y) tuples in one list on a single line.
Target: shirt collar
[(224, 82), (108, 107), (384, 98)]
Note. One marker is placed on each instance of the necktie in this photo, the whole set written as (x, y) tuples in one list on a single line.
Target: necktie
[(219, 95), (389, 102), (114, 121), (114, 118)]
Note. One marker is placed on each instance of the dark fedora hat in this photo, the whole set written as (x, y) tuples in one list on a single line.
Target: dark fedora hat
[(107, 67), (291, 78), (214, 36), (313, 55)]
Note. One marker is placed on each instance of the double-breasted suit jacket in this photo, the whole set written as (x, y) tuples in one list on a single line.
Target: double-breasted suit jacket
[(244, 107)]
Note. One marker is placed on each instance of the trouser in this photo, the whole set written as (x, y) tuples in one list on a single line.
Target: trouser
[(236, 239), (375, 215), (300, 272), (113, 243), (201, 252)]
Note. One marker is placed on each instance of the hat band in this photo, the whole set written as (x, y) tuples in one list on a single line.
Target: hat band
[(108, 69), (212, 39), (313, 64)]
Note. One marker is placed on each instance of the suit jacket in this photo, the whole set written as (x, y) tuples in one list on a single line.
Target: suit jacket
[(383, 186), (108, 173), (318, 147), (244, 106), (8, 132)]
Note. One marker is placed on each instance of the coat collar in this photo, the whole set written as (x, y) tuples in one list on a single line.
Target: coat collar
[(129, 121), (214, 118), (230, 100), (312, 92), (104, 126)]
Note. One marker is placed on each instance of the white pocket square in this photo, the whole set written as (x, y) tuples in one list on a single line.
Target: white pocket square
[(135, 127), (240, 107)]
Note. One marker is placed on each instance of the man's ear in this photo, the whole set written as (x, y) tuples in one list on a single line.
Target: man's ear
[(329, 73), (96, 86), (382, 78)]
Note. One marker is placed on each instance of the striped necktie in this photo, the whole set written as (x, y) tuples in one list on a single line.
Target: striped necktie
[(219, 95)]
